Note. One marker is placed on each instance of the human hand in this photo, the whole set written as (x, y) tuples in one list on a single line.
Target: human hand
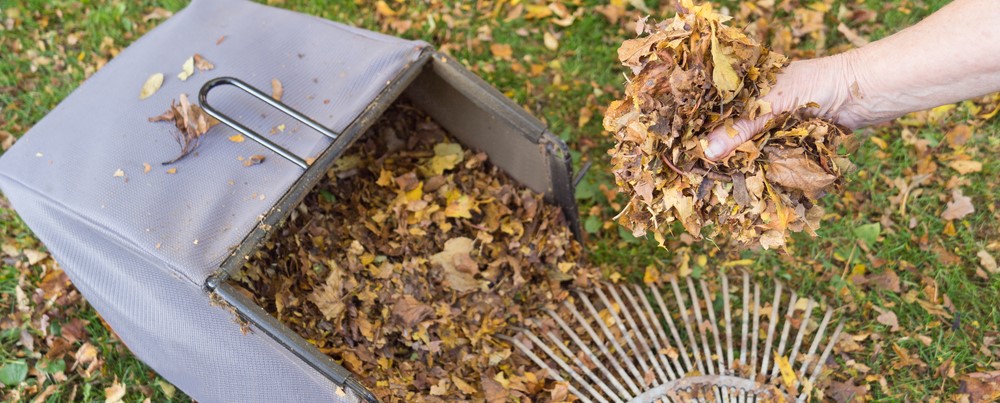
[(830, 82)]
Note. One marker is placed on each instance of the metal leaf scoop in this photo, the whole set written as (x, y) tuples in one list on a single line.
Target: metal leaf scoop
[(636, 344)]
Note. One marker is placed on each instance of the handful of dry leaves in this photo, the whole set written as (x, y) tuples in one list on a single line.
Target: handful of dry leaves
[(693, 74)]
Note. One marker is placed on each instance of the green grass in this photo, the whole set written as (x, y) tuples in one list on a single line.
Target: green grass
[(39, 67)]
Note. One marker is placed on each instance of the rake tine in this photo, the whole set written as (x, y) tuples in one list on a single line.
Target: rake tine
[(628, 336), (729, 323), (696, 307), (637, 333), (673, 329), (576, 360), (803, 329), (591, 356), (607, 332), (826, 353), (784, 332), (746, 317), (604, 349), (815, 344), (649, 332), (659, 329), (756, 328), (541, 363), (687, 324), (772, 323), (562, 364), (715, 327)]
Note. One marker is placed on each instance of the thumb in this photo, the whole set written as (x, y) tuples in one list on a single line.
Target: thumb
[(721, 142)]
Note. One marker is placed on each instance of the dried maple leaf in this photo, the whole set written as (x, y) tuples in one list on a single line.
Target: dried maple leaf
[(693, 74), (959, 206), (191, 121)]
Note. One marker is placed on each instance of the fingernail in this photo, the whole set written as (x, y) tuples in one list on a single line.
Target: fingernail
[(715, 149)]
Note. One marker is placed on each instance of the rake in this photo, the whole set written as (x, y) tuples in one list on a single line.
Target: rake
[(638, 344)]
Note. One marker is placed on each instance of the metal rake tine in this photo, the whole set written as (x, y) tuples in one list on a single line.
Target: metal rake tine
[(611, 338), (590, 374), (826, 353), (746, 317), (815, 344), (562, 364), (637, 334), (756, 328), (628, 336), (696, 304), (593, 357), (729, 322), (649, 332), (542, 364), (635, 390), (803, 329), (659, 330), (772, 324), (673, 329), (715, 326), (687, 324), (784, 332)]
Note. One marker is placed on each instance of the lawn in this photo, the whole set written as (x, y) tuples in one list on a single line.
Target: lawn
[(922, 309)]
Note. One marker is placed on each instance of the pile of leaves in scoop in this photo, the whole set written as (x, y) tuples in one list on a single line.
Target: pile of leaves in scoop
[(693, 74), (409, 256), (191, 121)]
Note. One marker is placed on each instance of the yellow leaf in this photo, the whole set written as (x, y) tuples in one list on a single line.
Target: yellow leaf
[(550, 41), (277, 90), (966, 167), (237, 138), (652, 275), (723, 74), (172, 171), (458, 205), (383, 9), (501, 51), (152, 84), (416, 194), (787, 374), (187, 69), (446, 156), (738, 263), (537, 11)]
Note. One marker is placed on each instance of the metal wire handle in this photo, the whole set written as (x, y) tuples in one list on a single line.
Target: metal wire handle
[(270, 145)]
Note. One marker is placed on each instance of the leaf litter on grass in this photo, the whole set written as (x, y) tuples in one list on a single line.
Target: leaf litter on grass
[(692, 74)]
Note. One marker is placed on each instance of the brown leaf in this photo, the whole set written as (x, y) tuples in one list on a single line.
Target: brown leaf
[(493, 391), (959, 206), (202, 64), (792, 169), (888, 318), (966, 167), (158, 13), (114, 393), (981, 386), (255, 159), (277, 90), (457, 265), (54, 284), (410, 311), (846, 392), (501, 51), (958, 135), (987, 261)]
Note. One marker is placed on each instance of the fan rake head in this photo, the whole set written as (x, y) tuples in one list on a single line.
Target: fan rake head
[(694, 341)]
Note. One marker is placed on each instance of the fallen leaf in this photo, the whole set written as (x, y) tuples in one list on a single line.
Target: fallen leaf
[(171, 171), (410, 311), (256, 159), (723, 75), (35, 256), (237, 138), (146, 168), (987, 262), (501, 51), (187, 69), (847, 392), (966, 167), (158, 13), (550, 41), (981, 386), (888, 318), (446, 157), (151, 85), (277, 90), (457, 265), (493, 391), (114, 393), (958, 135), (383, 9), (788, 376), (119, 173), (792, 169), (202, 64), (959, 206)]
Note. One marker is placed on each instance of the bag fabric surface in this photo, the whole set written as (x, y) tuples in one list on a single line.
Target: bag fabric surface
[(139, 247)]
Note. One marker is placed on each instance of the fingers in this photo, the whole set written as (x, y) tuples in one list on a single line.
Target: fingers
[(721, 143)]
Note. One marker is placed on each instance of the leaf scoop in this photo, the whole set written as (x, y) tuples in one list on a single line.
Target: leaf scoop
[(692, 74)]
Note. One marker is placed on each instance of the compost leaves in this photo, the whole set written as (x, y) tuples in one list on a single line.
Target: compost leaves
[(191, 121), (693, 74), (406, 260)]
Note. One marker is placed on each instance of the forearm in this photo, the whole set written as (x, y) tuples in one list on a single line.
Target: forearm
[(950, 56)]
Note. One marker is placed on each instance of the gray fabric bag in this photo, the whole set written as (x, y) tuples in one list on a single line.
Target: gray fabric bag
[(140, 247)]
